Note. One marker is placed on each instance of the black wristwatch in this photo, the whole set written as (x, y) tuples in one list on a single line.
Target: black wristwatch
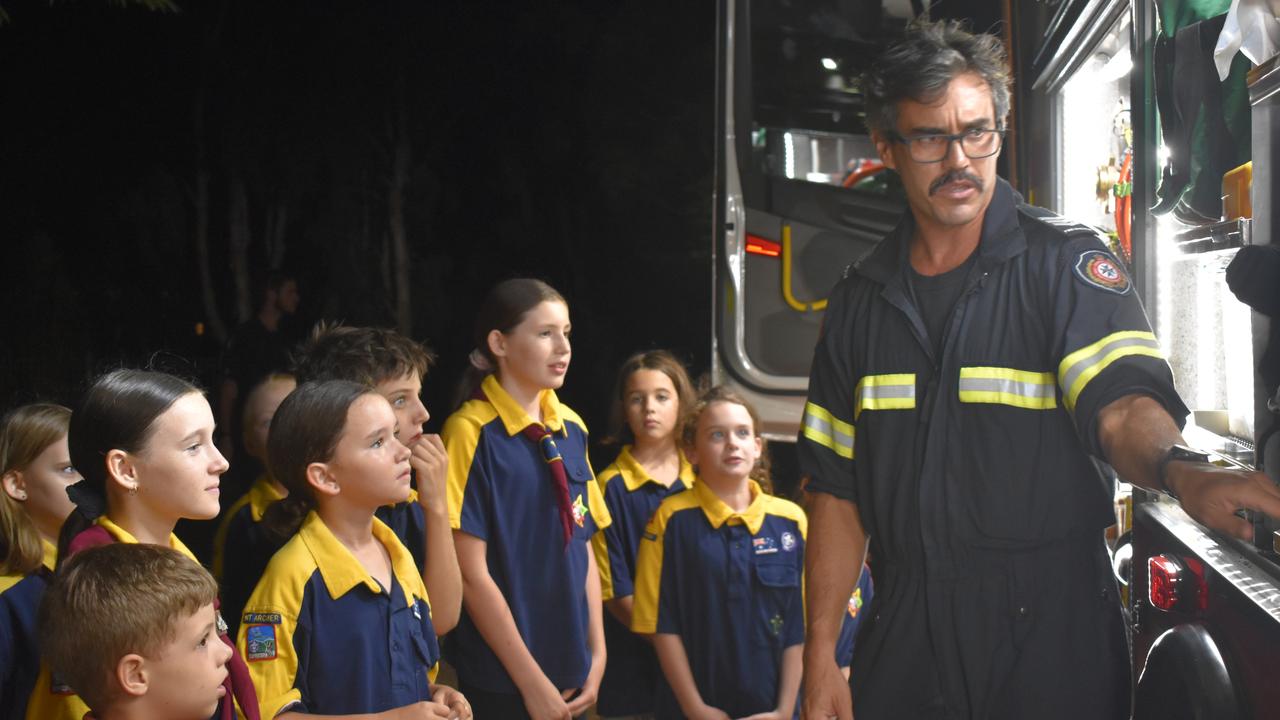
[(1177, 453)]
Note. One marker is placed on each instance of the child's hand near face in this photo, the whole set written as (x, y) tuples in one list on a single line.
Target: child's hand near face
[(430, 463)]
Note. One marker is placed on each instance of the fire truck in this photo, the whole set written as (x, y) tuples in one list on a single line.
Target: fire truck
[(1104, 130)]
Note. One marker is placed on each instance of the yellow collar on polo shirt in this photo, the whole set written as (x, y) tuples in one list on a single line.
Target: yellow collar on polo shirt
[(341, 570), (50, 554), (261, 495), (122, 535), (718, 513), (634, 476), (514, 417)]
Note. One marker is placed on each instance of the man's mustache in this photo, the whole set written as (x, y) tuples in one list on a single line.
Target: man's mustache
[(955, 176)]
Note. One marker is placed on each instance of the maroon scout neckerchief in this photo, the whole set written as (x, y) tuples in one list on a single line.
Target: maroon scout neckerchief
[(545, 441)]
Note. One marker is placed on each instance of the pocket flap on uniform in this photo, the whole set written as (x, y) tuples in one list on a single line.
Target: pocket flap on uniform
[(778, 574), (428, 650)]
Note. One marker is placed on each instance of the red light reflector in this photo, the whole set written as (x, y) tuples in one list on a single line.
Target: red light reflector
[(1164, 574), (757, 245)]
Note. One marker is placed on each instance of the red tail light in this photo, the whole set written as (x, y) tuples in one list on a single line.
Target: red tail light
[(757, 245), (1176, 584), (1164, 575)]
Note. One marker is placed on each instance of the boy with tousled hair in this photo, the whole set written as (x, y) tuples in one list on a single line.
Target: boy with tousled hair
[(132, 628), (393, 365)]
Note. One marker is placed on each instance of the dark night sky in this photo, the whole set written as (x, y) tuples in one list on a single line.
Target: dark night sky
[(570, 141)]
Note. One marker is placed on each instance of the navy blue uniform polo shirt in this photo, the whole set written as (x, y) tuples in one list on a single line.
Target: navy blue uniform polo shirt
[(729, 584), (321, 636), (19, 651), (242, 547), (632, 674), (500, 492)]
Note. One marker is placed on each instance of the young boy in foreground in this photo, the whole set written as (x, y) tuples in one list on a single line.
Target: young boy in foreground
[(132, 629)]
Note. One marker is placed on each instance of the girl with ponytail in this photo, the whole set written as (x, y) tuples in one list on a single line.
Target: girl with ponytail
[(340, 623), (524, 504), (143, 442)]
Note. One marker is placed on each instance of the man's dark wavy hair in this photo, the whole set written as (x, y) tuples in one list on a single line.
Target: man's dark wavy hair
[(921, 65)]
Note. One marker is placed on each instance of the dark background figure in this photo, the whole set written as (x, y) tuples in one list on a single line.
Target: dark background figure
[(257, 348)]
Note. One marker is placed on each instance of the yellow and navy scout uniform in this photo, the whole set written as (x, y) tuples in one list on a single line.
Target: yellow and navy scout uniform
[(500, 491), (242, 539), (409, 522), (971, 469), (631, 676), (729, 584), (322, 636), (19, 649)]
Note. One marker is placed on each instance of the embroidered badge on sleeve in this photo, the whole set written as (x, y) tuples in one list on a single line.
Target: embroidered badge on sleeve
[(1099, 269), (260, 642)]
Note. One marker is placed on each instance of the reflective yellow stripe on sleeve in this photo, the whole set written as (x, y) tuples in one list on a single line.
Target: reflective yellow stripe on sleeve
[(1007, 386), (1083, 365), (828, 431), (884, 392)]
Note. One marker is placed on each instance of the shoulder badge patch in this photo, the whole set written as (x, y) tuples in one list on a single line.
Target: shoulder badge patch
[(1099, 269), (260, 642)]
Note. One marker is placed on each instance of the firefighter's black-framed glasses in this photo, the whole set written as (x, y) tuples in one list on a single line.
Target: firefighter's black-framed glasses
[(976, 144)]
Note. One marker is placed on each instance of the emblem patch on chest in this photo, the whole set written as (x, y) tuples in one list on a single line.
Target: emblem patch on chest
[(764, 545), (1099, 269), (579, 511), (260, 642), (788, 542)]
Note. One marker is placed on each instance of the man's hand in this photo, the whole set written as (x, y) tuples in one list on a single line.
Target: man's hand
[(826, 692), (1212, 495)]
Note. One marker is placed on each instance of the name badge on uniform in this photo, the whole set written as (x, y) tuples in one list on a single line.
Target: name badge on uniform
[(764, 545), (260, 619)]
